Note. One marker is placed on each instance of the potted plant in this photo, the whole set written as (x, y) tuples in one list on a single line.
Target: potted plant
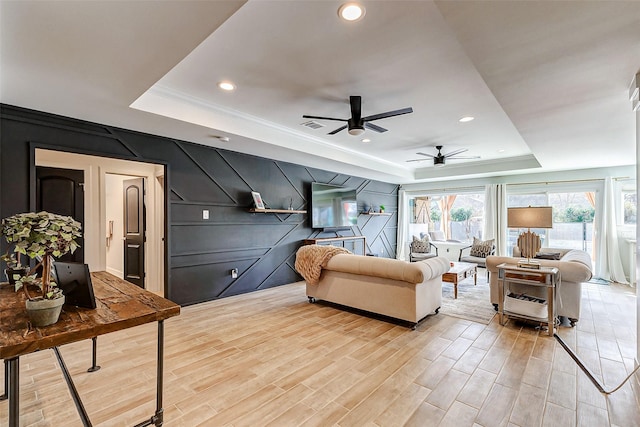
[(14, 269), (381, 208), (42, 236)]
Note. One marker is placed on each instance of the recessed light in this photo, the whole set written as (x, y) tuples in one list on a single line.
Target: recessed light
[(366, 140), (351, 11), (226, 85), (502, 150), (466, 119)]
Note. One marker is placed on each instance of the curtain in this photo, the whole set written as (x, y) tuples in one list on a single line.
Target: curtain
[(591, 198), (403, 225), (445, 206), (608, 262), (495, 216)]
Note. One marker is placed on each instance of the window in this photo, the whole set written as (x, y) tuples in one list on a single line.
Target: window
[(573, 214), (463, 215), (629, 206)]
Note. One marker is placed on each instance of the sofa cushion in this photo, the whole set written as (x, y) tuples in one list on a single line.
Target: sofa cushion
[(481, 248)]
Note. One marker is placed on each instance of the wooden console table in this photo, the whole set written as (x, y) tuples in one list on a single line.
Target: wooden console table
[(120, 305)]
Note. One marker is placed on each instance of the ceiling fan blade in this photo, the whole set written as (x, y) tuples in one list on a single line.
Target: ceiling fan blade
[(453, 153), (374, 127), (305, 116), (463, 157), (427, 155), (333, 132), (417, 160), (388, 114), (356, 108)]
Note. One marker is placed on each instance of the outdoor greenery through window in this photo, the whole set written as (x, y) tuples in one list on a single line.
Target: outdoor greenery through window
[(459, 216), (630, 206), (573, 215)]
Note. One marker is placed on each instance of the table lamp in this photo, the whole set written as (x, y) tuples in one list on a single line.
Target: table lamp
[(529, 242)]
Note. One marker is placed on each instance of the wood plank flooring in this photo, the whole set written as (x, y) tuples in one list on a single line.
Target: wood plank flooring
[(270, 358)]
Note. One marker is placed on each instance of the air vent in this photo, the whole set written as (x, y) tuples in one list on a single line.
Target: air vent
[(312, 125)]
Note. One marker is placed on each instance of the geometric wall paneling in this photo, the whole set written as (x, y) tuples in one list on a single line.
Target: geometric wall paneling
[(201, 252), (205, 282)]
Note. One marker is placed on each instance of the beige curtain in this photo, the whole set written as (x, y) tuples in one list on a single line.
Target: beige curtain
[(445, 206)]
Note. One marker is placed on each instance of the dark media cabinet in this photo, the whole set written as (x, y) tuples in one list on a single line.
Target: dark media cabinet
[(356, 244)]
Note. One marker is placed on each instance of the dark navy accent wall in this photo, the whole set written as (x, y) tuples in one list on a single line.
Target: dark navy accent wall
[(201, 253)]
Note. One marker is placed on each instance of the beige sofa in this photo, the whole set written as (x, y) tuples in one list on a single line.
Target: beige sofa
[(390, 287), (575, 268)]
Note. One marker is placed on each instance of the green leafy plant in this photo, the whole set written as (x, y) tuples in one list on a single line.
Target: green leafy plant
[(43, 236)]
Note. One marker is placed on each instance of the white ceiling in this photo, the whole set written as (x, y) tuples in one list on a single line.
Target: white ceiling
[(547, 81)]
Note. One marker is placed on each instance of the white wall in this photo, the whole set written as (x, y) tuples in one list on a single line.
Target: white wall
[(114, 210), (95, 208), (637, 243)]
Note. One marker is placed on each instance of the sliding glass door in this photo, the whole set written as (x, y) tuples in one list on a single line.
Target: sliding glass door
[(573, 217)]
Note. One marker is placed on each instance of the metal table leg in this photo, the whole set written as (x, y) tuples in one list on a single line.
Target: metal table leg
[(94, 357), (6, 381), (14, 391), (157, 419)]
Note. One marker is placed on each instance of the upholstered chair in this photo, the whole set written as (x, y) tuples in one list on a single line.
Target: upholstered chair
[(421, 249), (478, 252)]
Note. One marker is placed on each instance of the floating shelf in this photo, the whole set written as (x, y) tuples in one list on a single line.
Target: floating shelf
[(279, 211), (376, 213)]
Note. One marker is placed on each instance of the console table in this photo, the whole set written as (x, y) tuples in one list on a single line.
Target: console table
[(547, 277), (340, 241), (120, 305)]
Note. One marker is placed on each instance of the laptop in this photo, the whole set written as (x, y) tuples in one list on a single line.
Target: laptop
[(75, 281)]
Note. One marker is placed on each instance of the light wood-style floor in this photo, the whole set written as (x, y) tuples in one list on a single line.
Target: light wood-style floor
[(272, 359)]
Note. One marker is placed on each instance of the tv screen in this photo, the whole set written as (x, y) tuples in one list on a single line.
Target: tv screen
[(333, 206)]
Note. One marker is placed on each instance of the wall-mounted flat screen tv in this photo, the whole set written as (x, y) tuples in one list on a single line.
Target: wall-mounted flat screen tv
[(333, 206)]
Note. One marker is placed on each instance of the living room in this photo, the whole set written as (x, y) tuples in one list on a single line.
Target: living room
[(211, 160)]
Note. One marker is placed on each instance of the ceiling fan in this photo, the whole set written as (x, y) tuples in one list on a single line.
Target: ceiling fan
[(439, 159), (357, 123)]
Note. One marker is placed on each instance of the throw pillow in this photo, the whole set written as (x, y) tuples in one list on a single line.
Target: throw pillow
[(548, 255), (420, 245), (481, 248)]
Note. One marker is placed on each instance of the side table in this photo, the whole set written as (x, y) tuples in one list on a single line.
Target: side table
[(547, 277)]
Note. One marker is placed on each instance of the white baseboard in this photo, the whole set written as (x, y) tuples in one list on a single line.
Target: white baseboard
[(115, 272)]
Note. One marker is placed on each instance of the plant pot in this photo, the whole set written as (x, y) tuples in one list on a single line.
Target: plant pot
[(44, 312), (9, 272)]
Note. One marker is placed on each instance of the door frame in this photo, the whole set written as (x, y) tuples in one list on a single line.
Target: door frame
[(93, 219)]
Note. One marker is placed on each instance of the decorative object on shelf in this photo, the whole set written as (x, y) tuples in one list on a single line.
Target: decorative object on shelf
[(257, 200), (381, 208), (43, 236), (529, 242)]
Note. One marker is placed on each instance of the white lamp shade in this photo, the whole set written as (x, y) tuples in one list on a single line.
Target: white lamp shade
[(530, 217)]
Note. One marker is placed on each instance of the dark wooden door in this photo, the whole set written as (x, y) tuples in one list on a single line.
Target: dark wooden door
[(61, 191), (134, 230)]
